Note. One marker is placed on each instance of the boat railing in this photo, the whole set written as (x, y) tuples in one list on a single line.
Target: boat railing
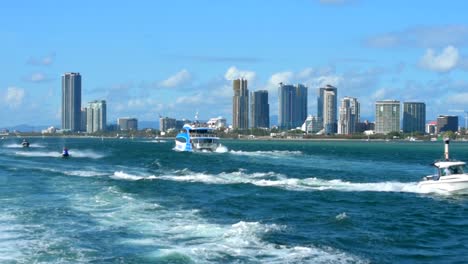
[(193, 135)]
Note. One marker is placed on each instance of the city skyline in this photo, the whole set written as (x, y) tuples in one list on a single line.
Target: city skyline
[(173, 60)]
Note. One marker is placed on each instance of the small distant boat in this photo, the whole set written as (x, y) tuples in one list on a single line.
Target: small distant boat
[(451, 176), (25, 143), (196, 137)]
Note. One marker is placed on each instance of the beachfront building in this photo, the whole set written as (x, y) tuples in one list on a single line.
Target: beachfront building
[(127, 123), (217, 122), (312, 125), (96, 116), (327, 108), (240, 104), (387, 116), (71, 101), (349, 116), (259, 109), (414, 117), (292, 105), (447, 123), (167, 123)]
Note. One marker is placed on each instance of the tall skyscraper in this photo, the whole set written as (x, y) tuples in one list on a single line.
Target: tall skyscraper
[(292, 105), (327, 103), (349, 116), (84, 117), (259, 109), (96, 116), (447, 123), (71, 101), (240, 104), (414, 117), (387, 116)]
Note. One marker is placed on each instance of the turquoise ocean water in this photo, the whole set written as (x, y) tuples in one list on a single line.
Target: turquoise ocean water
[(138, 201)]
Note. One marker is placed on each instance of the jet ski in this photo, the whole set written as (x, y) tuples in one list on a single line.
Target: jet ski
[(25, 143), (65, 153)]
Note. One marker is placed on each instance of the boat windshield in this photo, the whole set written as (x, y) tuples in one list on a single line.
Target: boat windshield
[(458, 169)]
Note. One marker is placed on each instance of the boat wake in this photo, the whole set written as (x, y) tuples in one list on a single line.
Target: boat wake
[(73, 153), (172, 234), (271, 179), (273, 153), (33, 145)]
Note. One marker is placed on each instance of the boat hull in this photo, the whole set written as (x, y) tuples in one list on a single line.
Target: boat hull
[(452, 185)]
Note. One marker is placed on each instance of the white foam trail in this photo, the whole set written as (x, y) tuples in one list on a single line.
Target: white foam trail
[(33, 145), (273, 153), (85, 173), (165, 232), (280, 181), (38, 154), (120, 175), (221, 149), (73, 154), (86, 154)]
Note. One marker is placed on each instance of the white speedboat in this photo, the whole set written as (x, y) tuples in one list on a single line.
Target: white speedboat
[(451, 176), (196, 137)]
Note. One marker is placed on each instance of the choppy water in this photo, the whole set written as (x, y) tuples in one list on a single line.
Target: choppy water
[(137, 201)]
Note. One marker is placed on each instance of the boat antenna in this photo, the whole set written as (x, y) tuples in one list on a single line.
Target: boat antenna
[(446, 153), (196, 116)]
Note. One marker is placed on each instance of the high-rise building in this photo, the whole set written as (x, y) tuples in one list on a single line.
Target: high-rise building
[(240, 104), (96, 116), (320, 98), (447, 123), (127, 123), (259, 109), (431, 127), (71, 101), (166, 123), (387, 116), (414, 117), (330, 123), (84, 117), (327, 103), (349, 116), (292, 105)]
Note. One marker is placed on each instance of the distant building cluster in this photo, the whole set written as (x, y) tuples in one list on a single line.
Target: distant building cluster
[(331, 118), (252, 110), (90, 119)]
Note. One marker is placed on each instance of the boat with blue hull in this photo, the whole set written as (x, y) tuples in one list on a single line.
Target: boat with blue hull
[(196, 137)]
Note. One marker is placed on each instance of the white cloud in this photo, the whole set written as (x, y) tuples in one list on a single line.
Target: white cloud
[(233, 73), (37, 77), (181, 78), (44, 61), (422, 37), (281, 77), (322, 81), (445, 61), (191, 99), (459, 99), (379, 94), (14, 96)]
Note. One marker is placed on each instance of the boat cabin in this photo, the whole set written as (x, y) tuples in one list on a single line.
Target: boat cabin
[(446, 168)]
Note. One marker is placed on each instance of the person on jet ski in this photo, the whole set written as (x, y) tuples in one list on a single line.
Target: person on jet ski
[(65, 152), (25, 143)]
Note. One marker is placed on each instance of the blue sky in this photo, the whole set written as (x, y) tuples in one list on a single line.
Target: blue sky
[(174, 58)]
